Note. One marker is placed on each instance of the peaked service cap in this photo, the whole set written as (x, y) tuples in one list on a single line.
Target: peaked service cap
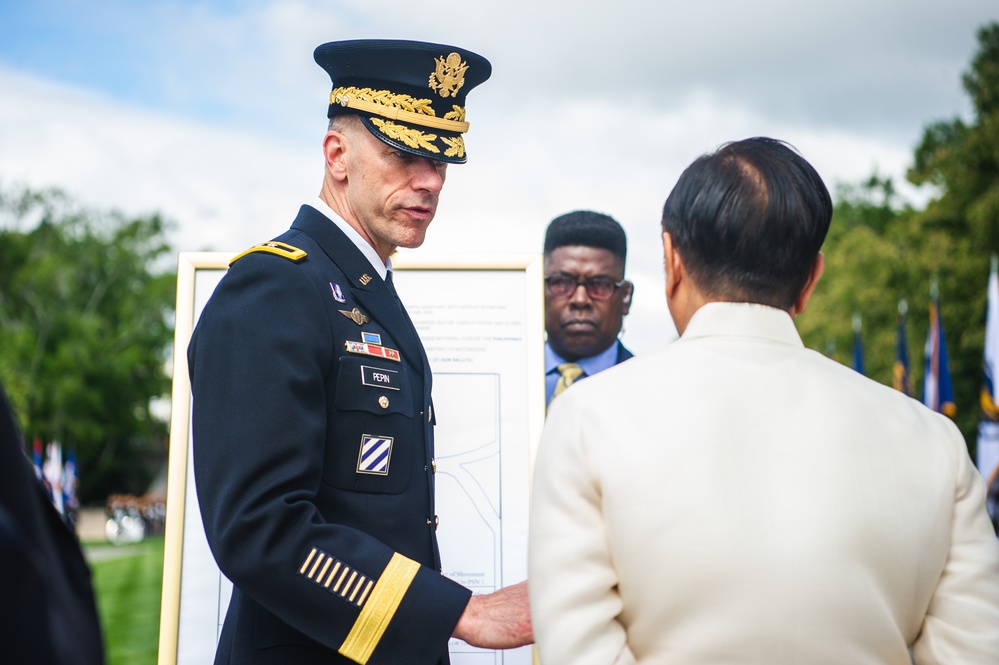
[(409, 94)]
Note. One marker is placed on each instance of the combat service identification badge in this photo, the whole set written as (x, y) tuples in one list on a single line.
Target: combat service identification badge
[(375, 454)]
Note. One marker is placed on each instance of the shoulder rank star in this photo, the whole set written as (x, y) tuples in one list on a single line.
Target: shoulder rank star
[(356, 316), (367, 349)]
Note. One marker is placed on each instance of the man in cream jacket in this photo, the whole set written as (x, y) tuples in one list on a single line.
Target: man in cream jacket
[(738, 498)]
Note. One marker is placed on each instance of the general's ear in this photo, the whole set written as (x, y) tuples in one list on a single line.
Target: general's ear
[(335, 149)]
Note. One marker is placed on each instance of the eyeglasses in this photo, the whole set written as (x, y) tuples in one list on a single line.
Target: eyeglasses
[(599, 287)]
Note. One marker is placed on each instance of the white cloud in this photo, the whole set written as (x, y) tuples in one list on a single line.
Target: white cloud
[(591, 105), (223, 188)]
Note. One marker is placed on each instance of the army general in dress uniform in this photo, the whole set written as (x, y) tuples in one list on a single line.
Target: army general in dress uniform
[(313, 418)]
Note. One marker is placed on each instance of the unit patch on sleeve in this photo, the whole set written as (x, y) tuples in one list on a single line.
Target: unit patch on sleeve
[(374, 456), (336, 577)]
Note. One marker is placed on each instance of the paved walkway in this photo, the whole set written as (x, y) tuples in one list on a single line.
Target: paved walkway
[(109, 552)]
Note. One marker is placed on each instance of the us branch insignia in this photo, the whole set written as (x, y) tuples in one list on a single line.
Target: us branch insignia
[(449, 75), (355, 315), (364, 279)]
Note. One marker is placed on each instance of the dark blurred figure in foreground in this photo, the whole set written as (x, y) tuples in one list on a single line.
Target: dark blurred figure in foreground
[(47, 608)]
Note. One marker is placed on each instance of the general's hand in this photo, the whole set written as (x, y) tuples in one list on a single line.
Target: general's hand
[(498, 620)]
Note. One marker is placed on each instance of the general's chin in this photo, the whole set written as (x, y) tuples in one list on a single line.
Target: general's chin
[(412, 242)]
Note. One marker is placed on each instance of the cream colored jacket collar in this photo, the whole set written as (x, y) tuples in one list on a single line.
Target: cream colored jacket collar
[(735, 319)]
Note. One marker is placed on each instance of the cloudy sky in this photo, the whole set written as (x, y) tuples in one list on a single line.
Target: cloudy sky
[(212, 113)]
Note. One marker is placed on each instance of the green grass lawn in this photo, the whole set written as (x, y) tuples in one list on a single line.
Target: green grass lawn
[(128, 583)]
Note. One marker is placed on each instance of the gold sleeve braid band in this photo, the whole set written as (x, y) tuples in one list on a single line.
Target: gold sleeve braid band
[(377, 613)]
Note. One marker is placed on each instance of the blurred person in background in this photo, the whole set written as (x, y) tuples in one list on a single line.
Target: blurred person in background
[(48, 614), (586, 297)]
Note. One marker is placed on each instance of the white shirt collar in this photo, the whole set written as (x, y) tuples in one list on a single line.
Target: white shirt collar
[(355, 237)]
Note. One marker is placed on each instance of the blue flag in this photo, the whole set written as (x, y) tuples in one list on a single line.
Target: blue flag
[(938, 392), (901, 375), (69, 482), (988, 427)]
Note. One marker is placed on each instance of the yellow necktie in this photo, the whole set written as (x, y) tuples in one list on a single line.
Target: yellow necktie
[(570, 372)]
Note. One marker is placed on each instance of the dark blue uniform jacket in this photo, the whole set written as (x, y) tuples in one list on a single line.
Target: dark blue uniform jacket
[(313, 460)]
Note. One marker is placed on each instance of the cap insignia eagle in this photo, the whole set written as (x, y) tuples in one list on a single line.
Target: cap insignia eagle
[(449, 75)]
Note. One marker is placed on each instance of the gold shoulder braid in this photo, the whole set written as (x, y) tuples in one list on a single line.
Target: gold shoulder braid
[(274, 247)]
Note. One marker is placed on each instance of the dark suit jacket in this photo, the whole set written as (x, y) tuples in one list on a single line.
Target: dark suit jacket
[(623, 353), (47, 609), (313, 459)]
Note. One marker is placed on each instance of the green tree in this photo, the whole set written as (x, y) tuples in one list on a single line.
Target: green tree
[(870, 266), (86, 325), (879, 252)]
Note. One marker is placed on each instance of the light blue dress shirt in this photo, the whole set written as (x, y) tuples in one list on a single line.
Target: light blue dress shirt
[(591, 365)]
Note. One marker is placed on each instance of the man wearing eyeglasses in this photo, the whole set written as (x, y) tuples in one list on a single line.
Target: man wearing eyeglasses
[(738, 498), (586, 297)]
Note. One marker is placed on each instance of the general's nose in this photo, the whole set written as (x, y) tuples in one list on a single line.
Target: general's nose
[(429, 175)]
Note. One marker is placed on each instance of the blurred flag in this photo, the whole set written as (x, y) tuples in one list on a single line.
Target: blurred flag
[(858, 345), (69, 487), (938, 392), (37, 457), (988, 427), (901, 376), (53, 473)]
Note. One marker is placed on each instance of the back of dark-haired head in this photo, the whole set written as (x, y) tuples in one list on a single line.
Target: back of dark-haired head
[(587, 228), (748, 221)]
